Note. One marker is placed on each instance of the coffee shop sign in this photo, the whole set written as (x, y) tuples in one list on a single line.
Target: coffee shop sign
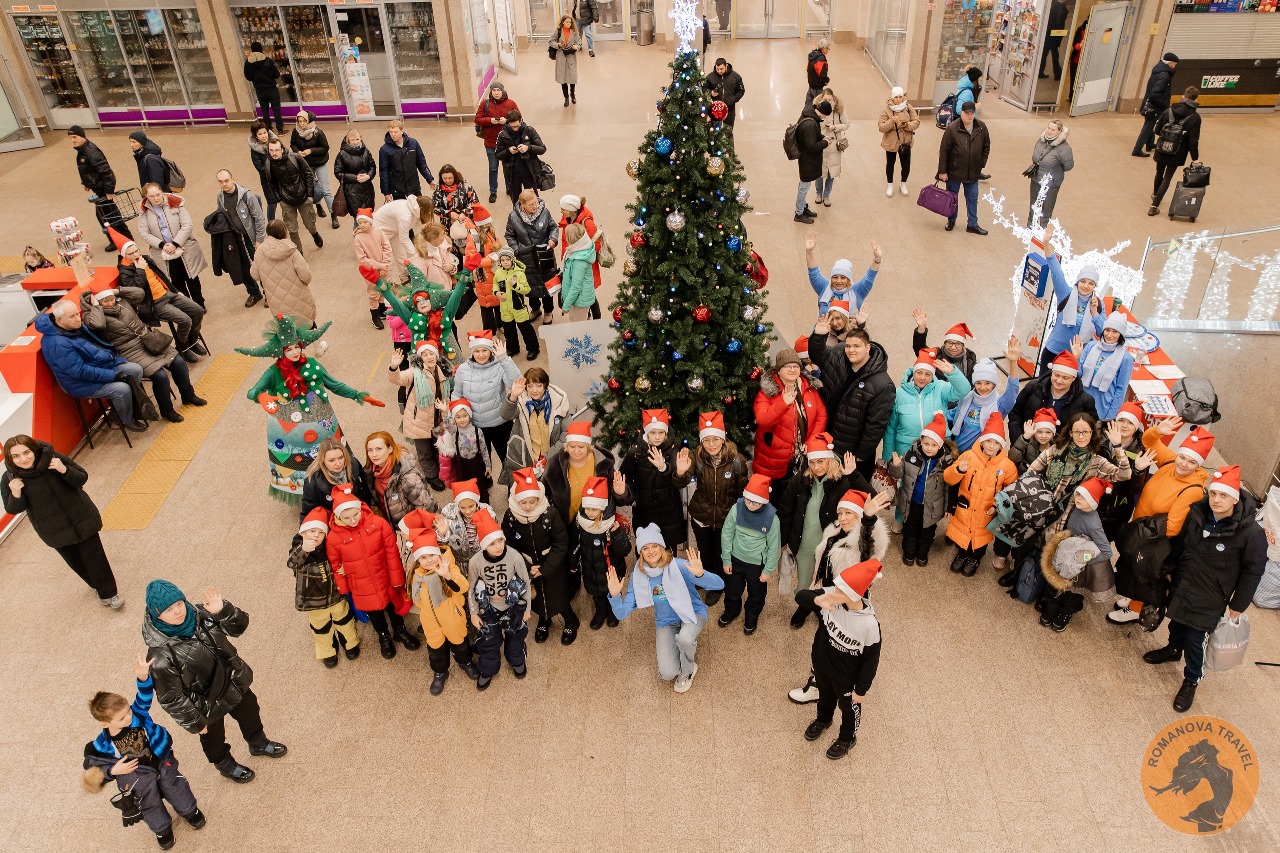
[(1219, 81)]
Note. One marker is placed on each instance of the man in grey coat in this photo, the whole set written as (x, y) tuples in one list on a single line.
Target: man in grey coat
[(248, 223)]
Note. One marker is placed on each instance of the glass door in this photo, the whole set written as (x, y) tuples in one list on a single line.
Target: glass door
[(262, 24), (50, 62), (818, 15), (17, 125), (363, 27), (720, 16), (102, 58), (1099, 58), (614, 15), (307, 29), (888, 38), (768, 18), (417, 58), (203, 95), (543, 15)]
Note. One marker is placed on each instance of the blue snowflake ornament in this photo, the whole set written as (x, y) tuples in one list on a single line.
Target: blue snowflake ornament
[(582, 351)]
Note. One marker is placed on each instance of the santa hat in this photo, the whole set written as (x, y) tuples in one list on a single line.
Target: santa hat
[(958, 333), (317, 519), (710, 425), (466, 489), (487, 529), (802, 346), (524, 484), (123, 243), (854, 501), (480, 215), (650, 534), (936, 428), (1132, 412), (655, 419), (364, 213), (1092, 491), (595, 493), (416, 519), (1117, 321), (994, 429), (1066, 363), (1226, 480), (856, 580), (757, 489), (840, 306), (423, 545), (460, 403), (821, 446), (1045, 418), (579, 431), (986, 371), (426, 345), (344, 497), (1197, 445), (101, 290), (924, 360), (480, 339)]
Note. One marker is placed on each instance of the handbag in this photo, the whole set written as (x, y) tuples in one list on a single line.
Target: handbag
[(1227, 644), (1030, 171), (156, 342), (143, 408), (551, 52), (940, 200), (339, 206), (1196, 175), (787, 573), (604, 252), (904, 148), (547, 179)]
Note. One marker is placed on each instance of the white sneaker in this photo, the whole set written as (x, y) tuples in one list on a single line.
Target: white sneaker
[(115, 602), (684, 682), (321, 347), (1122, 603), (889, 191), (1122, 617), (905, 191)]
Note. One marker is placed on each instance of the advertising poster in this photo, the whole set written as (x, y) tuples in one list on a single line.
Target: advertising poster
[(504, 21)]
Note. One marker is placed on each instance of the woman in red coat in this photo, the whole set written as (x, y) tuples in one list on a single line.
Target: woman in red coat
[(573, 209), (788, 413), (366, 565)]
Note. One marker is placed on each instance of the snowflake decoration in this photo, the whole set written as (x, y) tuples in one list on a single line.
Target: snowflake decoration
[(595, 389), (582, 351), (687, 24)]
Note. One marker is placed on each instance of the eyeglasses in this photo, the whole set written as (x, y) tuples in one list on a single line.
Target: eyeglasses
[(1082, 432)]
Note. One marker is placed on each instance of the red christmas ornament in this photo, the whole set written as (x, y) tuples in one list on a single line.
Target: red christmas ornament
[(628, 335), (614, 384), (728, 401), (755, 374), (702, 314), (719, 109), (617, 315), (637, 239)]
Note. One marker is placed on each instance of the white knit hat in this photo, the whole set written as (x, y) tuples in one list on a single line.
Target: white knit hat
[(650, 534)]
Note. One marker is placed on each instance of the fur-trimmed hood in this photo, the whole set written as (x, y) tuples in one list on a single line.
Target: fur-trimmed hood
[(771, 387), (849, 550), (1076, 550)]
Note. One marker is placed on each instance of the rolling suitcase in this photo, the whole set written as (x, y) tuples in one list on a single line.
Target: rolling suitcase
[(1186, 201)]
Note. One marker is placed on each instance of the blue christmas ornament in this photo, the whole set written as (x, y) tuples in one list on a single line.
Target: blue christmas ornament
[(734, 346), (735, 244), (639, 223), (676, 356), (663, 146), (631, 344), (760, 328)]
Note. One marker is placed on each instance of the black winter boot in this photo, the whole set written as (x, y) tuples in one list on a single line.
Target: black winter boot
[(958, 563), (1169, 654), (909, 548), (1049, 610), (387, 645), (376, 316), (1186, 696), (598, 617), (406, 639), (923, 544)]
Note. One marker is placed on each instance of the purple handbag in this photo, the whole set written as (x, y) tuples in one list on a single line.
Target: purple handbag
[(940, 200)]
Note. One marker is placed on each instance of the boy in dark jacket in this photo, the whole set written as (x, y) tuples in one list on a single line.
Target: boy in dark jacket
[(720, 474), (923, 497), (846, 651), (151, 166), (811, 143), (649, 470), (136, 753), (499, 599), (316, 594), (750, 546), (261, 71), (599, 544), (535, 530)]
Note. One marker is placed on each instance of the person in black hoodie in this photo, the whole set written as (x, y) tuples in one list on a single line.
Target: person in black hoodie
[(400, 161), (649, 470), (97, 177), (598, 544), (810, 141), (725, 84), (1185, 115), (1223, 554), (313, 146), (818, 70), (1154, 102), (261, 71), (535, 529), (151, 165), (355, 170), (858, 391)]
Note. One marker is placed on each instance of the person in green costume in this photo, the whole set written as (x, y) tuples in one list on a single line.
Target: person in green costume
[(430, 313)]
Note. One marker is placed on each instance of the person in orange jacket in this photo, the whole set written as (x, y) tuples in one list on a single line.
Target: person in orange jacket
[(980, 472), (477, 258)]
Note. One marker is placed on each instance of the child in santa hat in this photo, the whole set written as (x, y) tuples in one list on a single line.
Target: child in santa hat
[(670, 586), (649, 470), (1117, 507), (599, 543), (316, 593), (464, 444), (808, 366), (373, 252), (478, 257), (455, 525), (980, 472), (846, 651), (922, 497), (750, 543), (1037, 437), (1088, 567), (536, 530), (440, 591), (512, 287), (499, 598)]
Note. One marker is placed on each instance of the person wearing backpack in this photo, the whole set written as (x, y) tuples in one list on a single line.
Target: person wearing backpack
[(962, 156), (152, 168), (1177, 135), (809, 145), (1154, 101)]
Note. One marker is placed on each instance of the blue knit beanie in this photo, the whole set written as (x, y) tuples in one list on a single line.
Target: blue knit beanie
[(161, 595)]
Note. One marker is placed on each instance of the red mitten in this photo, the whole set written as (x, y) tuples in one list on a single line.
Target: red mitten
[(370, 274), (267, 401), (372, 402)]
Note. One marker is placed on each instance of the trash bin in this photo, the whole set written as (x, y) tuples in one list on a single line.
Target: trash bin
[(644, 23)]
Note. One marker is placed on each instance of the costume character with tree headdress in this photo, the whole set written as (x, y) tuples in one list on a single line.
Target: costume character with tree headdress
[(429, 314)]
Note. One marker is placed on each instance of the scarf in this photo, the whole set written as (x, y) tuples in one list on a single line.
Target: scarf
[(541, 407), (382, 477), (530, 518), (309, 133), (897, 108), (1070, 311), (425, 389), (990, 403), (851, 631), (599, 527), (760, 519), (338, 479), (1102, 372), (531, 218), (435, 587), (1068, 468), (291, 372), (261, 147), (186, 629), (670, 582)]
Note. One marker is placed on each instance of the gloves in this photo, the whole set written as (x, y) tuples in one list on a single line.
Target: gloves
[(371, 275), (268, 402), (365, 398)]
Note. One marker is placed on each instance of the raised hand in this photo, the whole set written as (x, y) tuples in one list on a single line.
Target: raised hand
[(895, 460), (517, 388), (821, 327), (921, 319), (1028, 429), (657, 459), (1146, 459), (212, 600), (1114, 435), (850, 464), (1013, 352), (877, 502), (684, 461), (619, 484), (944, 367), (963, 466), (615, 583), (860, 318), (142, 668), (694, 560), (1077, 347), (810, 241), (876, 254), (789, 394), (1168, 426)]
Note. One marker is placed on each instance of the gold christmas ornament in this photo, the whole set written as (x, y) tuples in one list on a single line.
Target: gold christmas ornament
[(643, 385), (629, 267), (633, 169), (715, 167)]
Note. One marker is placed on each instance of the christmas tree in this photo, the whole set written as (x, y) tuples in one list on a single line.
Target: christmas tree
[(693, 334)]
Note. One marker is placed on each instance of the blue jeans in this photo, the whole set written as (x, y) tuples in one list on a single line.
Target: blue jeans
[(492, 154), (802, 196), (677, 648), (120, 394), (589, 33), (322, 191), (824, 186), (970, 200), (1192, 643)]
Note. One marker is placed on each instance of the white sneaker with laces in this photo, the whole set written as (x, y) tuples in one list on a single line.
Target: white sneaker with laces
[(889, 192), (1122, 603), (905, 191), (115, 602), (683, 683), (804, 695), (1122, 617)]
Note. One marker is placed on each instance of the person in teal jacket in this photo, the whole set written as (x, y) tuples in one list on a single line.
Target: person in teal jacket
[(968, 89), (922, 395), (750, 543), (577, 289)]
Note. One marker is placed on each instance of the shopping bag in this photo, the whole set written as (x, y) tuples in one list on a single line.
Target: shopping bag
[(339, 203), (786, 574), (940, 200), (1227, 644)]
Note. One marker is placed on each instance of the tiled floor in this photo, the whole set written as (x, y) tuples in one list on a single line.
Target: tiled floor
[(983, 732)]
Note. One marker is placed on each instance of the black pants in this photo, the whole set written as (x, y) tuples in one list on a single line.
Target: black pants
[(745, 577), (1051, 45), (867, 467), (569, 89), (890, 157), (829, 697), (160, 385), (1164, 177), (88, 560), (386, 621), (439, 658), (526, 331), (247, 716), (498, 437), (490, 318), (269, 101), (975, 553), (708, 541), (545, 616), (187, 285), (916, 538), (1147, 136), (494, 642), (595, 310)]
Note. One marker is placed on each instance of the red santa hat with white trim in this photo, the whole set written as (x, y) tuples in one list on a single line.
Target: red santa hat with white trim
[(840, 306), (1133, 413), (821, 446), (655, 419), (757, 490), (994, 429), (480, 215), (925, 360), (364, 213), (710, 425), (595, 493), (426, 345), (936, 428), (344, 497), (415, 520), (857, 579), (1066, 363), (1197, 445), (317, 519), (481, 339), (1092, 491), (466, 490), (959, 333), (461, 403), (802, 346), (487, 529), (578, 431), (1045, 417), (1226, 480), (854, 501), (524, 484), (123, 244), (422, 545), (101, 290)]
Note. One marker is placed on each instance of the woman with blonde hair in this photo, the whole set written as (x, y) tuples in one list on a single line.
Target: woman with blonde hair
[(833, 130), (898, 124), (333, 466)]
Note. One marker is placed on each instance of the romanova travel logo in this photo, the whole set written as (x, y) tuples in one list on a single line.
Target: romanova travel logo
[(1200, 775)]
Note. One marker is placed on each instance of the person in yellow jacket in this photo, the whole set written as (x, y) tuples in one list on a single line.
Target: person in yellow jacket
[(440, 591)]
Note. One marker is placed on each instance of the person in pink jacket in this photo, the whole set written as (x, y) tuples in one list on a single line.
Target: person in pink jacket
[(373, 250)]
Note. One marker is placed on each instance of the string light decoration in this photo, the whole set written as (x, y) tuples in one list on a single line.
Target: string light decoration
[(1266, 295), (1175, 277), (687, 23)]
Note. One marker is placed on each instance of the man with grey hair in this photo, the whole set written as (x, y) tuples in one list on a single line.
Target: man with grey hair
[(85, 365), (236, 234), (818, 70)]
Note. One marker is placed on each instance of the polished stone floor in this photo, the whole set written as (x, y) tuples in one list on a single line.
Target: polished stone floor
[(983, 732)]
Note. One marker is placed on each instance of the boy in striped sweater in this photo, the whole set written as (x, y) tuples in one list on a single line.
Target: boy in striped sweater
[(136, 753)]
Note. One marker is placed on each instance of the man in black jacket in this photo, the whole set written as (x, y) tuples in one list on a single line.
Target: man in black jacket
[(1154, 102), (818, 70), (1223, 556), (1060, 389), (400, 162), (294, 185), (725, 84), (519, 148), (858, 391), (150, 159), (1182, 120), (261, 71), (1057, 23), (962, 156), (97, 177), (811, 143)]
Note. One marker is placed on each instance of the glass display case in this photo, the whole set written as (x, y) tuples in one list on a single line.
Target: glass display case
[(307, 28), (417, 58), (151, 63), (102, 60), (966, 37), (262, 24), (187, 37), (54, 69)]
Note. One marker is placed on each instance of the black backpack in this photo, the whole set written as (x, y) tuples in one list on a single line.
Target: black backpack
[(790, 146), (1195, 401), (1171, 136)]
